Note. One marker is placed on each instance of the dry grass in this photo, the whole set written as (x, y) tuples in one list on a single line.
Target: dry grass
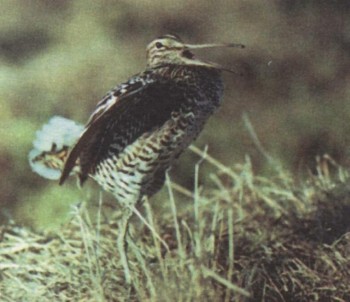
[(248, 239)]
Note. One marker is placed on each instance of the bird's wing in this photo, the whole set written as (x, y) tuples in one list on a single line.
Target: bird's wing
[(141, 101), (116, 96)]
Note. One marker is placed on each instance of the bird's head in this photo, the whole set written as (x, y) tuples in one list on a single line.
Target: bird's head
[(169, 49)]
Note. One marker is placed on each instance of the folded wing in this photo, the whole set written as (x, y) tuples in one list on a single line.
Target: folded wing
[(119, 119)]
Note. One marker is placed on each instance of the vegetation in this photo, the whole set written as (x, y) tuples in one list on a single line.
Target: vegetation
[(248, 239), (247, 226)]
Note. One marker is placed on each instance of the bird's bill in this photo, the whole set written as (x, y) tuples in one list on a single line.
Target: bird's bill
[(213, 45)]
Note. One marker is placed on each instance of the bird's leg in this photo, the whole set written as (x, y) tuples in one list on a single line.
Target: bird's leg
[(122, 244)]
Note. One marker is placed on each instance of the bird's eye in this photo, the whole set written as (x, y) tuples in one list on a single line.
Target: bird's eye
[(159, 45)]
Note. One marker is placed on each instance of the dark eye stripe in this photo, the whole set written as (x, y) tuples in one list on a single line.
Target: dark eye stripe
[(159, 45)]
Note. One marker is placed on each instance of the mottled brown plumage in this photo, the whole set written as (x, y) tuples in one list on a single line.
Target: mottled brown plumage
[(139, 128)]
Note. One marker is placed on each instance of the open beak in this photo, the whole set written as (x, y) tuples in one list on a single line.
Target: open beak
[(189, 47)]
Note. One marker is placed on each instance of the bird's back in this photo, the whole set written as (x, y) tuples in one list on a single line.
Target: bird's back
[(129, 151)]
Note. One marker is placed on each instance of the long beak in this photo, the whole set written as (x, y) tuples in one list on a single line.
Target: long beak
[(214, 45)]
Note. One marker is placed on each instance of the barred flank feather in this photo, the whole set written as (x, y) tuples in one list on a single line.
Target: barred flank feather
[(52, 145)]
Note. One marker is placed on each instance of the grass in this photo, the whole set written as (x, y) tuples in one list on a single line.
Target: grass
[(248, 238)]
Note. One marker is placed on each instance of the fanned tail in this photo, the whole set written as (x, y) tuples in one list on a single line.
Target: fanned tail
[(52, 145)]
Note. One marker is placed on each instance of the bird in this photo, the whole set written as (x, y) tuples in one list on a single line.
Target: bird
[(138, 129)]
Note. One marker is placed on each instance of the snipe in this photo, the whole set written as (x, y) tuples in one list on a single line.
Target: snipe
[(139, 128)]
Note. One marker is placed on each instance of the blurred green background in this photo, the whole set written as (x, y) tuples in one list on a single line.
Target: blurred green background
[(60, 57)]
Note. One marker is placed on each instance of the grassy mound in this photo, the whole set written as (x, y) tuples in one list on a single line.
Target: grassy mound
[(248, 238)]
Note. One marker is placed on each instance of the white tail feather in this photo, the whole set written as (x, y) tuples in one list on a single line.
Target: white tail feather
[(57, 134)]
